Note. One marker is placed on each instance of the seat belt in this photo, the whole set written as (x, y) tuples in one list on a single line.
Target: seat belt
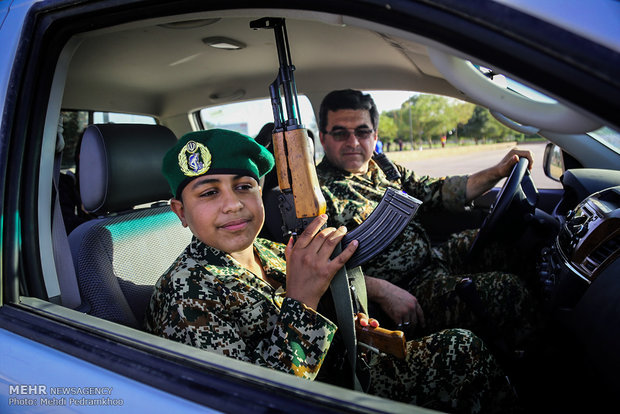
[(358, 285), (340, 288), (344, 315), (67, 281)]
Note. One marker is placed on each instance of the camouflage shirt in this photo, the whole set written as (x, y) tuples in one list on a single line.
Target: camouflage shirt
[(433, 273), (208, 300), (351, 198)]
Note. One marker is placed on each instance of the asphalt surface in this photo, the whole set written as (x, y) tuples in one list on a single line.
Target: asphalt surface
[(440, 162)]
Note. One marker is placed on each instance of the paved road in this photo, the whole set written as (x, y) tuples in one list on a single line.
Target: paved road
[(471, 162)]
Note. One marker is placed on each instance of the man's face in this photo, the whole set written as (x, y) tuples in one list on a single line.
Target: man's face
[(224, 211), (348, 151)]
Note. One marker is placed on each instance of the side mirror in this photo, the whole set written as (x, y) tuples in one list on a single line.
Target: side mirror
[(553, 162)]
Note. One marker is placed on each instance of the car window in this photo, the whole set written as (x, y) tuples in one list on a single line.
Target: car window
[(144, 59), (75, 121), (437, 136), (248, 117), (608, 137)]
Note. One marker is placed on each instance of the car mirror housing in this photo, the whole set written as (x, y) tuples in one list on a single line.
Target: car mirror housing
[(553, 162)]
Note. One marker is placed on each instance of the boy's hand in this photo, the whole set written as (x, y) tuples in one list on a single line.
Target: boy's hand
[(309, 267)]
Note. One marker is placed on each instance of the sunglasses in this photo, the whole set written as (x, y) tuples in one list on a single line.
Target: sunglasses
[(343, 134)]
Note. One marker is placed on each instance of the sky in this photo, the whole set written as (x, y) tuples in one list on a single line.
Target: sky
[(389, 100), (249, 117)]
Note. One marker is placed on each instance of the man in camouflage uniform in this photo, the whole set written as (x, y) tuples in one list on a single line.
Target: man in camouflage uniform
[(234, 294), (414, 282)]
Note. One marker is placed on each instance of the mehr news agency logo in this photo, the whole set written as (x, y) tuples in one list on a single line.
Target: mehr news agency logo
[(43, 395)]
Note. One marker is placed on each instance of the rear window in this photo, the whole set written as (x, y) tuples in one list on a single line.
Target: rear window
[(249, 117), (75, 121)]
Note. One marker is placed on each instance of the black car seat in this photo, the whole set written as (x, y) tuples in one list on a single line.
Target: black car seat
[(119, 256)]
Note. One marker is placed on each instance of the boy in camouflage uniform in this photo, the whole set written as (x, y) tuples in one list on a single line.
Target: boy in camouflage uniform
[(234, 294), (411, 274)]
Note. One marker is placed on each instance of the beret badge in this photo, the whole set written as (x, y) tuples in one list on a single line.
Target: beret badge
[(194, 159)]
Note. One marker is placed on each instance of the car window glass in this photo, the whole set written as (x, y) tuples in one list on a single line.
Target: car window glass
[(73, 125), (118, 118), (248, 117), (608, 137), (438, 136), (75, 121)]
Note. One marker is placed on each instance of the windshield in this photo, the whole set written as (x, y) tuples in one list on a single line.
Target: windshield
[(607, 137), (514, 86)]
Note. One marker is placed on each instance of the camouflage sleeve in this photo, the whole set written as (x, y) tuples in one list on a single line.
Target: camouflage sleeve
[(301, 339), (453, 193), (197, 316), (344, 211), (445, 192)]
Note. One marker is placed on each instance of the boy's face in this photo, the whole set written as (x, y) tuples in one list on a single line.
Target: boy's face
[(224, 211)]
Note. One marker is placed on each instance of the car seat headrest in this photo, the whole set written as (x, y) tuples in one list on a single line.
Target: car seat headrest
[(120, 166)]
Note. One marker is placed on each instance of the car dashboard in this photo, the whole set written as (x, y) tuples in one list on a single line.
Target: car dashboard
[(588, 243), (579, 275)]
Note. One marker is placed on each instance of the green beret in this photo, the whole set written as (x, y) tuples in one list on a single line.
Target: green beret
[(215, 151)]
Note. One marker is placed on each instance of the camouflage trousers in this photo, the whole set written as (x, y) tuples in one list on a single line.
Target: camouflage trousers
[(506, 301), (450, 371)]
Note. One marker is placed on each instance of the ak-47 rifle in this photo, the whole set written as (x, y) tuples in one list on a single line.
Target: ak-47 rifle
[(301, 199)]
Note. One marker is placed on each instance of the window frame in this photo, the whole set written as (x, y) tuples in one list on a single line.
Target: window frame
[(30, 123)]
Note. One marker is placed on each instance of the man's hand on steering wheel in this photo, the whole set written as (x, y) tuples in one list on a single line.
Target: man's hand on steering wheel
[(482, 181), (518, 190), (507, 163)]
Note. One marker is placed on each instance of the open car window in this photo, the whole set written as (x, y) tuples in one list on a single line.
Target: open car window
[(169, 62), (437, 136), (249, 117), (608, 137), (74, 122)]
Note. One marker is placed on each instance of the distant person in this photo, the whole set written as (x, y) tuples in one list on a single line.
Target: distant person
[(379, 146), (413, 275)]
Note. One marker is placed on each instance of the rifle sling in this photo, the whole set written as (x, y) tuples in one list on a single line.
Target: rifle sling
[(343, 304), (358, 285)]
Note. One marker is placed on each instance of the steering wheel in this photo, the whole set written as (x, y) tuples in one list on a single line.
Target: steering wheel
[(517, 195)]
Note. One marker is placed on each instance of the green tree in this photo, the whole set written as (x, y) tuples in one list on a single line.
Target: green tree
[(475, 126), (428, 117), (482, 127), (73, 125), (388, 132)]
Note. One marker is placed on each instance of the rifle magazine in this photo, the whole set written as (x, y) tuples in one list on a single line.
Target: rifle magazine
[(384, 224)]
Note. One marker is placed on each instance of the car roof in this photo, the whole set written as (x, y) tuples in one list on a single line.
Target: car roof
[(167, 68), (163, 66), (597, 22)]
